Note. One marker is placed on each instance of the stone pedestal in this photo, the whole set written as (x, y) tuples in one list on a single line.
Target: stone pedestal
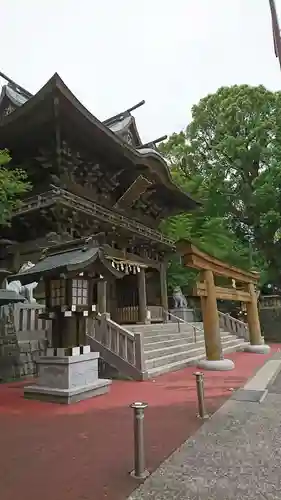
[(182, 313), (258, 349), (67, 378), (219, 365)]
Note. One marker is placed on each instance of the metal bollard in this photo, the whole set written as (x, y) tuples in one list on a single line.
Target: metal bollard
[(194, 335), (139, 471), (200, 395)]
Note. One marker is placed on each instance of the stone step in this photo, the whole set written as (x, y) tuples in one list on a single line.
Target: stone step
[(238, 346), (184, 351), (174, 366), (166, 336), (186, 330), (179, 347), (169, 337), (156, 327), (167, 342), (182, 355), (192, 360)]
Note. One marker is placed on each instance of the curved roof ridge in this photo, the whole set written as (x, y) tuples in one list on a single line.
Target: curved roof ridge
[(137, 155)]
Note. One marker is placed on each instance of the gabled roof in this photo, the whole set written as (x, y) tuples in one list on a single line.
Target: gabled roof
[(110, 133), (69, 257), (16, 98)]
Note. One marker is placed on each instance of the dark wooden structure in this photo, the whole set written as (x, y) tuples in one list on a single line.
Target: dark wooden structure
[(91, 178)]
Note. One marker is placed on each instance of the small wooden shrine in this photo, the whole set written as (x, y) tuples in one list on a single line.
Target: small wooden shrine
[(91, 178)]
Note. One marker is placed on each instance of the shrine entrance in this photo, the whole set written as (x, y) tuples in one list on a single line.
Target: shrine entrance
[(218, 280), (136, 296)]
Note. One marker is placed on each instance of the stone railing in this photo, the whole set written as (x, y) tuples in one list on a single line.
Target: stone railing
[(233, 325), (28, 321), (270, 301), (117, 346), (23, 337)]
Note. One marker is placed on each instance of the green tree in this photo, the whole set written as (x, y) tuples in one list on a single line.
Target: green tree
[(230, 158), (211, 234), (13, 183)]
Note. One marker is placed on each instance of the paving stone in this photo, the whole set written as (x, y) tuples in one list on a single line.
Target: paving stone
[(275, 387), (235, 455), (253, 396)]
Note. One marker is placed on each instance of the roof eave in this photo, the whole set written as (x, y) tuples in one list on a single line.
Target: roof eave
[(135, 155)]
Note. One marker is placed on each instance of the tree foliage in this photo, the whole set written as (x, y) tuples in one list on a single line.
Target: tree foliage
[(229, 157), (13, 183)]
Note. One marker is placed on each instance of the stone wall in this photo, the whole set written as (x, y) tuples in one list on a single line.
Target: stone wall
[(270, 320)]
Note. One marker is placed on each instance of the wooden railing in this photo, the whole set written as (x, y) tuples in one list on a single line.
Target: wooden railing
[(127, 315), (117, 346), (130, 314), (233, 325)]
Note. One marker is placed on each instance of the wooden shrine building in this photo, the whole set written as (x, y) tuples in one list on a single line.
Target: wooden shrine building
[(91, 178)]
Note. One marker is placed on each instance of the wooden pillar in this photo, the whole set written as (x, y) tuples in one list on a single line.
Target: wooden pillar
[(16, 261), (163, 288), (211, 319), (253, 317), (102, 294), (142, 296)]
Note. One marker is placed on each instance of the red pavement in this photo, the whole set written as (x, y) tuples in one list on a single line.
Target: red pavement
[(85, 451)]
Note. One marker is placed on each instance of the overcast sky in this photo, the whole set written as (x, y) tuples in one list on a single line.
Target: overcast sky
[(114, 53)]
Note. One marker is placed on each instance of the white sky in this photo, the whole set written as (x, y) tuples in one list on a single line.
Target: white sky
[(114, 53)]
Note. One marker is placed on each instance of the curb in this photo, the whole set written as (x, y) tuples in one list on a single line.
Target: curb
[(256, 389)]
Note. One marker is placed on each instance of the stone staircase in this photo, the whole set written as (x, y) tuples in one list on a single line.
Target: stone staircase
[(172, 346)]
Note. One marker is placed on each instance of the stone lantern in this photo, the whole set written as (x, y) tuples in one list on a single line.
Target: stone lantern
[(69, 371)]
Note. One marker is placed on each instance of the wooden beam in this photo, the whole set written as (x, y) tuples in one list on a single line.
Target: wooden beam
[(111, 252), (200, 290), (195, 258), (135, 190)]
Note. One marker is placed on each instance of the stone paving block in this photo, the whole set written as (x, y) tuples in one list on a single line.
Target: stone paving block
[(235, 455), (253, 396)]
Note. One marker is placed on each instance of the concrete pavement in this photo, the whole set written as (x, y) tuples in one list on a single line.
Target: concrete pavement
[(234, 455)]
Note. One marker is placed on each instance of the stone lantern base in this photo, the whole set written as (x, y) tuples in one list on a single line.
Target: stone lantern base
[(64, 378)]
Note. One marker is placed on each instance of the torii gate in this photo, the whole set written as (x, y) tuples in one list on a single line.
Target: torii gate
[(207, 290)]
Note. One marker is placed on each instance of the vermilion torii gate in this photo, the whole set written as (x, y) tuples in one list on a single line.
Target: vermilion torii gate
[(242, 289)]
